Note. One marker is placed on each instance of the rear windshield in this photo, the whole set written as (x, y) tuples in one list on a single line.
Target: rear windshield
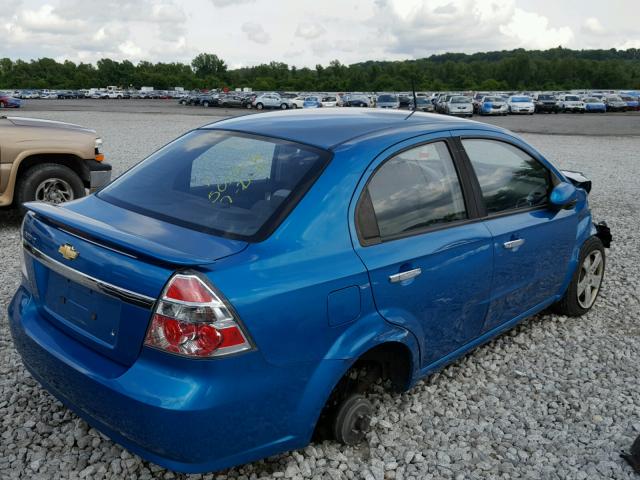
[(230, 184), (387, 98)]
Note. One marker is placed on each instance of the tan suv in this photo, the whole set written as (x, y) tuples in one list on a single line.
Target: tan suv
[(48, 161)]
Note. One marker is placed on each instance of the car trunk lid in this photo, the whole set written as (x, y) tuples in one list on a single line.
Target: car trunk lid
[(96, 278)]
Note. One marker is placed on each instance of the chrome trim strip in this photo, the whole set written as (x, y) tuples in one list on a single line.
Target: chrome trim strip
[(90, 282)]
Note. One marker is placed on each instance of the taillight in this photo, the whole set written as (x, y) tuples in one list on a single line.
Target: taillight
[(190, 319)]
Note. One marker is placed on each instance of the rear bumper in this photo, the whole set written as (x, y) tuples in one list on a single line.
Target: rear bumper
[(186, 415)]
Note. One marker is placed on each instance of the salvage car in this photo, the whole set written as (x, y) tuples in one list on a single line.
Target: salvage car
[(388, 100), (459, 105), (48, 161), (244, 287), (546, 103), (571, 103), (7, 101), (521, 104), (271, 100), (615, 104), (493, 105), (593, 104)]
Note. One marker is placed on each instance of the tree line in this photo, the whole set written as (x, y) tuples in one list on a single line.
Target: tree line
[(554, 69)]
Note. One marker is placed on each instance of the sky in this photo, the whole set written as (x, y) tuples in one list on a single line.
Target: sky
[(306, 32)]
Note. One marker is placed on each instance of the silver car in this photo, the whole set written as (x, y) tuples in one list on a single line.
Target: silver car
[(459, 105), (387, 100)]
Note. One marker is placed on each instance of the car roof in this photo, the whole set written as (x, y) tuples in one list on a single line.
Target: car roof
[(331, 127)]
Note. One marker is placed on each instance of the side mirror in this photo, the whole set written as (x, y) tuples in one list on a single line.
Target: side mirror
[(563, 194)]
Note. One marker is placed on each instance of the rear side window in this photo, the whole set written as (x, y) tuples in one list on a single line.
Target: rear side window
[(231, 184), (416, 189), (509, 178)]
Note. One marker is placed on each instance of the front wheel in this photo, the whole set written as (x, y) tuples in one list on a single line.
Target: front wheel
[(283, 106), (294, 106), (586, 282), (259, 106), (50, 183)]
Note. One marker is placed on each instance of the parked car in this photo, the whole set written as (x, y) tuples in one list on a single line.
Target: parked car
[(7, 101), (271, 100), (546, 103), (298, 102), (357, 100), (615, 104), (519, 104), (166, 309), (404, 100), (571, 103), (312, 101), (48, 161), (387, 101), (459, 105), (208, 100), (330, 101), (632, 102), (423, 104), (493, 105), (229, 101), (441, 103), (593, 104)]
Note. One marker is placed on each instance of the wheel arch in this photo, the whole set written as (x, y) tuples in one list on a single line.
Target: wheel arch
[(28, 159), (393, 347)]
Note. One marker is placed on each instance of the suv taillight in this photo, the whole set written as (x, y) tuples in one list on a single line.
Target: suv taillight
[(190, 319)]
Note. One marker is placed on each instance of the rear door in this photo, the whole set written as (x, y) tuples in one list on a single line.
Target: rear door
[(429, 263), (532, 242)]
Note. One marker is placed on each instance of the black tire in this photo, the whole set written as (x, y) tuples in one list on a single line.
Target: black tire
[(352, 421), (34, 176), (205, 104), (259, 106), (570, 303), (283, 106), (294, 106)]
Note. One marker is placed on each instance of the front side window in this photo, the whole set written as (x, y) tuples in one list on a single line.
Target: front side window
[(221, 182), (415, 189), (509, 178)]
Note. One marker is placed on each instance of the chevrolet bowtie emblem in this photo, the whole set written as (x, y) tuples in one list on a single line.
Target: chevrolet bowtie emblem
[(68, 252)]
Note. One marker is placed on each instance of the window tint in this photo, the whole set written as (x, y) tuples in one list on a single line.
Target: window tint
[(221, 182), (509, 178), (416, 189)]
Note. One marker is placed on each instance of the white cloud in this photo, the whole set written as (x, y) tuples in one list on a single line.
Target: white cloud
[(228, 3), (255, 32), (593, 26), (532, 30), (303, 32), (309, 30)]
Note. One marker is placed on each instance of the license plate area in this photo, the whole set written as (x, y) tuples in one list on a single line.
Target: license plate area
[(87, 311)]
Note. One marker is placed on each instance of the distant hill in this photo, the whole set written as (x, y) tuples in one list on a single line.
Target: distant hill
[(554, 69)]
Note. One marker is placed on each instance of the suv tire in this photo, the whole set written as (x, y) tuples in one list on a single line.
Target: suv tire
[(35, 177), (588, 276)]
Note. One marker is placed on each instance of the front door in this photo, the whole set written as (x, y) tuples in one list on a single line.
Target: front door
[(429, 266), (532, 242)]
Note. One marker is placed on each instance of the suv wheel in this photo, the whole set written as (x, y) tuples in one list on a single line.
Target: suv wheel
[(283, 106), (259, 106), (50, 183), (586, 282)]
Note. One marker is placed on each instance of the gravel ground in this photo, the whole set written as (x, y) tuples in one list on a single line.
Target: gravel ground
[(555, 398)]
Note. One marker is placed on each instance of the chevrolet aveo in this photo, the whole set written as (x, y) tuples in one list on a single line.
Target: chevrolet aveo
[(237, 292)]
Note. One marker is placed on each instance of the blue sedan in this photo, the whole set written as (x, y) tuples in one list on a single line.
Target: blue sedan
[(243, 287), (7, 101), (594, 104)]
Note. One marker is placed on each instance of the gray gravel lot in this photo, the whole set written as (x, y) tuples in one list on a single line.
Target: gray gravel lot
[(556, 398)]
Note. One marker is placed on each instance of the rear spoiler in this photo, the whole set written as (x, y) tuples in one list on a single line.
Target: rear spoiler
[(105, 235), (578, 179)]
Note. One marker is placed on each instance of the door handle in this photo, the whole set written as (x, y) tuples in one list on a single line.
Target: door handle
[(402, 276), (514, 244)]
